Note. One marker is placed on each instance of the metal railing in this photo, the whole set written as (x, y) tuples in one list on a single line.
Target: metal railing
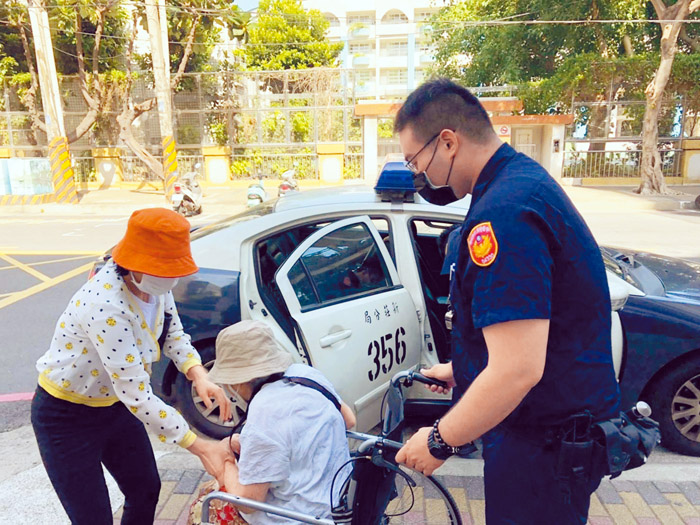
[(623, 163)]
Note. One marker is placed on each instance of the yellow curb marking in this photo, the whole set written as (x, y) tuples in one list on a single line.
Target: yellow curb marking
[(67, 259), (50, 252), (45, 285), (31, 271)]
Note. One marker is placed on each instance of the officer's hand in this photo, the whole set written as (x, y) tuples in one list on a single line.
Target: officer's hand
[(415, 453), (442, 372)]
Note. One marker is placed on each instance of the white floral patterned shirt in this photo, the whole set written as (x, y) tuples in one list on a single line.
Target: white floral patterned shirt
[(103, 349)]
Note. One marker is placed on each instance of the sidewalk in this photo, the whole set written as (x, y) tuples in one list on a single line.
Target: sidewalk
[(665, 491)]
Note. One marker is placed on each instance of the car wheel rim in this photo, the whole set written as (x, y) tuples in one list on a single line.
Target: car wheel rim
[(685, 409), (238, 405)]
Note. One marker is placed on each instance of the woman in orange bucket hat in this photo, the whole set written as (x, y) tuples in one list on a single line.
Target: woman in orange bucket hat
[(94, 401)]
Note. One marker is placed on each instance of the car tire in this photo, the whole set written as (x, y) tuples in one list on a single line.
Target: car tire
[(676, 394), (194, 411)]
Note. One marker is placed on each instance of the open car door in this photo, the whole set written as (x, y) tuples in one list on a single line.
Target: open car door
[(358, 323)]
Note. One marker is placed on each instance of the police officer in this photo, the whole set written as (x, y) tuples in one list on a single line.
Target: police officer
[(532, 316)]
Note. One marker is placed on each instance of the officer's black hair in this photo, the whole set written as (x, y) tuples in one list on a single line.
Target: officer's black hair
[(442, 104)]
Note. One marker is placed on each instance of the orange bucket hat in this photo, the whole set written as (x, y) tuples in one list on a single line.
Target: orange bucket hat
[(157, 242)]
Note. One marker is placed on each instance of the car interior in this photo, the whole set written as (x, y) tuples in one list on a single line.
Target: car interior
[(274, 250)]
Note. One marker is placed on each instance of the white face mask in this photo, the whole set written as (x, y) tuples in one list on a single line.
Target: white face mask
[(155, 285)]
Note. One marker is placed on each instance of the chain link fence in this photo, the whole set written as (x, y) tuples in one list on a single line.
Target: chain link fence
[(268, 121)]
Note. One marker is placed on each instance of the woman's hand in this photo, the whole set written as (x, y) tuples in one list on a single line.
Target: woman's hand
[(207, 390), (442, 372), (212, 455)]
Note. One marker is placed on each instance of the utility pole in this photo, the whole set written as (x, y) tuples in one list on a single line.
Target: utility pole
[(158, 33), (59, 154)]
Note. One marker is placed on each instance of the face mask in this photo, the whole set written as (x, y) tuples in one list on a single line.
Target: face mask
[(155, 285), (440, 195)]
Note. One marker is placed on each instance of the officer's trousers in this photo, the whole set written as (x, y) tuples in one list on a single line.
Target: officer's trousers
[(522, 488)]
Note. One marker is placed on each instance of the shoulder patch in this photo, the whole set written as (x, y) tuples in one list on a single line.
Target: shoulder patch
[(483, 246)]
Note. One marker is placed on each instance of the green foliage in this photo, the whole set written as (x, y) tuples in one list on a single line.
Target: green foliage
[(287, 36), (302, 126), (385, 128), (513, 54)]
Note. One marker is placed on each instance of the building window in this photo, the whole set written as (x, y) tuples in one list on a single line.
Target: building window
[(396, 49), (397, 76), (332, 19), (395, 17), (367, 20), (360, 49), (422, 16), (364, 76)]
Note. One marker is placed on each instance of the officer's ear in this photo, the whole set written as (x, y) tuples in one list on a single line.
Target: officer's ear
[(449, 139)]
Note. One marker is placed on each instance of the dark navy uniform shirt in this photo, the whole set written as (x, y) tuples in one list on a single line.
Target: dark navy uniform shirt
[(526, 253)]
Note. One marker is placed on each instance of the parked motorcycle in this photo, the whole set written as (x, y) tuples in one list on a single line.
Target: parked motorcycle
[(257, 193), (187, 194), (288, 184)]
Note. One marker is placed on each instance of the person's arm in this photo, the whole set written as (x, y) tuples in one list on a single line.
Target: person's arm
[(212, 455), (254, 491), (207, 390), (517, 351), (348, 415)]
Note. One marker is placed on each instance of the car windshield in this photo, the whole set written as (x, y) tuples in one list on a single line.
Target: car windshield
[(261, 210)]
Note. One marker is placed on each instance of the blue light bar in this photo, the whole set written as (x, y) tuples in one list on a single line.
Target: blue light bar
[(395, 183)]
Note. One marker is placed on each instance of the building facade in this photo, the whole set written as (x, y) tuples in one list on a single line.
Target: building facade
[(387, 47)]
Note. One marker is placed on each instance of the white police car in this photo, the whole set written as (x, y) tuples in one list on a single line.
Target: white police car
[(348, 279)]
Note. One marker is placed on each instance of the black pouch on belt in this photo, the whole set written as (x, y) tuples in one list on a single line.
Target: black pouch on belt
[(624, 442)]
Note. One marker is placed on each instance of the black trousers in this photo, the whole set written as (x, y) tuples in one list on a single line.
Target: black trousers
[(76, 440), (522, 488)]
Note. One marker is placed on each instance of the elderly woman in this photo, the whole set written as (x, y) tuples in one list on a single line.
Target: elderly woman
[(94, 401), (293, 442)]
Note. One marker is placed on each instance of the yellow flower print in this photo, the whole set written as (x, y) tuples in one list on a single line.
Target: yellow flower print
[(178, 338), (104, 390), (131, 308), (77, 303), (139, 342), (142, 386), (144, 325), (134, 409), (108, 286), (95, 372), (129, 358), (163, 414), (190, 355), (69, 346), (62, 325), (115, 376), (85, 350), (161, 437), (111, 321), (65, 383), (99, 338)]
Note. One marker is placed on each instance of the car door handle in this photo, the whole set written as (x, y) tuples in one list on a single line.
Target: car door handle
[(330, 339)]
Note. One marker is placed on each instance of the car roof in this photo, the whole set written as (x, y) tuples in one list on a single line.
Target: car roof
[(353, 194)]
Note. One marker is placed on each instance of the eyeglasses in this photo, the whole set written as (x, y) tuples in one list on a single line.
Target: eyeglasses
[(409, 164)]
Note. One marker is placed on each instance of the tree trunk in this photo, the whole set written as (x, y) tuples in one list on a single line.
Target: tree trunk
[(652, 177), (126, 134)]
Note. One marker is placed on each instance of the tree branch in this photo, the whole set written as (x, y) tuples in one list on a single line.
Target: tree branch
[(30, 98), (694, 6), (660, 8), (92, 104), (693, 42), (186, 53), (96, 51)]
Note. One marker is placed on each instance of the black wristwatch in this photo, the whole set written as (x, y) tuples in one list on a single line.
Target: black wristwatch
[(437, 447)]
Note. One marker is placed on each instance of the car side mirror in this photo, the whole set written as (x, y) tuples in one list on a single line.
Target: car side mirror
[(619, 291)]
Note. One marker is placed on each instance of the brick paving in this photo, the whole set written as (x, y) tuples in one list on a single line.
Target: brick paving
[(614, 503)]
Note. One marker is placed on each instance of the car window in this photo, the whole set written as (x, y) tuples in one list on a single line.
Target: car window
[(345, 263)]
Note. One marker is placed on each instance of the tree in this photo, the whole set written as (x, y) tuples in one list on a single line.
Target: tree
[(196, 27), (78, 24), (287, 36), (674, 17)]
